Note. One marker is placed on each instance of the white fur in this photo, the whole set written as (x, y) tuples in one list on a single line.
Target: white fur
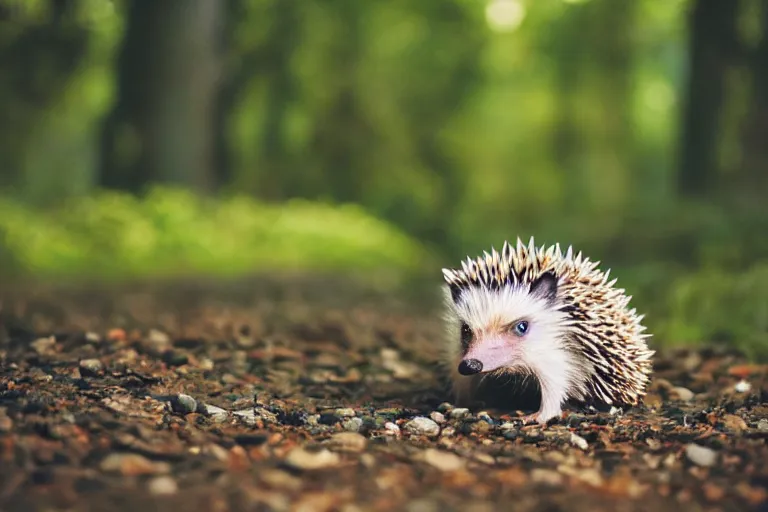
[(542, 351)]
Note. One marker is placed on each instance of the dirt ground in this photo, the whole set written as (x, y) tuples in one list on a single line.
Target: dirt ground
[(314, 396)]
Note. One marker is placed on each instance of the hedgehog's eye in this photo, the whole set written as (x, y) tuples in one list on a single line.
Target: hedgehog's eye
[(466, 334), (520, 328)]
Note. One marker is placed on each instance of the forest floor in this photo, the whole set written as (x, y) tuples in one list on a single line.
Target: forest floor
[(306, 396)]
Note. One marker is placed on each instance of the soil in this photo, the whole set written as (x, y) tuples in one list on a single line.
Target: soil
[(294, 394)]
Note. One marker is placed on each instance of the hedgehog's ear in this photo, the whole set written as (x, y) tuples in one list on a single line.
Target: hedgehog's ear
[(455, 293), (545, 286), (452, 283)]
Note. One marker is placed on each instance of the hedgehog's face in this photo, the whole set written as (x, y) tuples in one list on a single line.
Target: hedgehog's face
[(506, 328)]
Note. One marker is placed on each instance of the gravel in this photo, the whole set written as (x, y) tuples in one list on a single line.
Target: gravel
[(421, 426), (283, 395)]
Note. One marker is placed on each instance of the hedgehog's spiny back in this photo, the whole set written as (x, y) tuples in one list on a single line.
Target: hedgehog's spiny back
[(605, 331)]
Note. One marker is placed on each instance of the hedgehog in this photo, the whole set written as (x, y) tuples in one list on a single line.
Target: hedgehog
[(556, 317)]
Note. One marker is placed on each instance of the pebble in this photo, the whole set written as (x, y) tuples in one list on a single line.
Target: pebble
[(133, 464), (347, 441), (218, 414), (444, 407), (44, 345), (437, 417), (163, 486), (742, 386), (91, 367), (448, 432), (159, 340), (248, 416), (734, 423), (579, 441), (684, 394), (183, 404), (442, 460), (701, 455), (345, 413), (546, 476), (251, 416), (762, 425), (300, 458), (391, 429), (421, 426), (459, 413), (353, 424)]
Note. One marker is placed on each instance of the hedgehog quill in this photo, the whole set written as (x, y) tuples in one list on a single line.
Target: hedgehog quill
[(554, 316)]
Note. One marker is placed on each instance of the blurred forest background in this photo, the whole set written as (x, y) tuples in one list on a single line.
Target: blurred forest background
[(144, 138)]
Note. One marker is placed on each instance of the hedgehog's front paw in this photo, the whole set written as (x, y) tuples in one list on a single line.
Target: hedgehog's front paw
[(541, 417), (530, 418)]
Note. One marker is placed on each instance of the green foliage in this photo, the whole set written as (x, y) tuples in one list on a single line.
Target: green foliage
[(729, 308), (455, 126), (172, 232)]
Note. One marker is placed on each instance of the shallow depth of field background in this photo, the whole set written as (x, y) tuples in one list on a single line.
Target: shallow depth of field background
[(385, 139)]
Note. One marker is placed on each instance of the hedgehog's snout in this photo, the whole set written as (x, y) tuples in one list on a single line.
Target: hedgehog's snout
[(470, 366)]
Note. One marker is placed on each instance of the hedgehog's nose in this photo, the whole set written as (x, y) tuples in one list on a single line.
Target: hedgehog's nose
[(470, 366)]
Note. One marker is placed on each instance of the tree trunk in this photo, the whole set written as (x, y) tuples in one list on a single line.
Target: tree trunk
[(161, 129), (36, 65), (712, 42), (755, 149)]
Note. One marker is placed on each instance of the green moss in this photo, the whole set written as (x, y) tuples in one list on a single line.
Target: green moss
[(172, 232)]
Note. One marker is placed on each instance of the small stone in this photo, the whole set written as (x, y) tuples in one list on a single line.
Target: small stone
[(579, 441), (300, 458), (742, 386), (762, 425), (347, 441), (421, 426), (217, 414), (483, 415), (44, 346), (133, 464), (444, 407), (163, 486), (485, 458), (437, 417), (391, 429), (92, 337), (734, 423), (442, 460), (546, 476), (684, 394), (205, 363), (280, 479), (352, 424), (344, 413), (91, 367), (253, 415), (247, 416), (183, 404), (448, 432), (459, 413), (701, 455), (158, 340)]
